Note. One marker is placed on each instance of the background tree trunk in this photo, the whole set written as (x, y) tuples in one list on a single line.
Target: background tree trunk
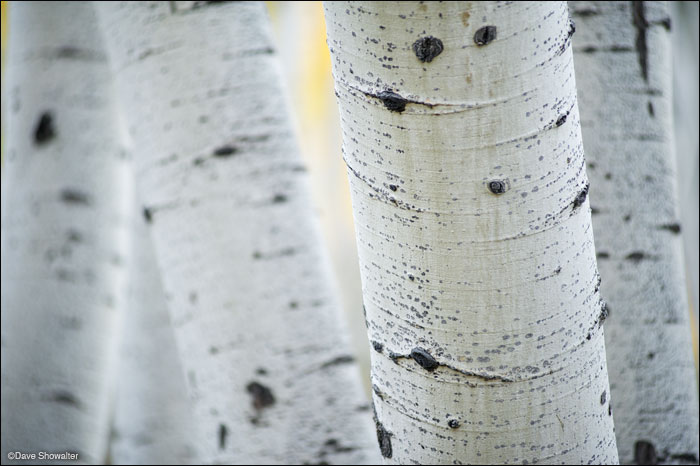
[(64, 234), (256, 318), (153, 422), (624, 82), (461, 135)]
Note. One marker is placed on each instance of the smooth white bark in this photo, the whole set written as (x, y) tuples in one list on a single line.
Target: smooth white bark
[(256, 320), (623, 69), (483, 308), (153, 422), (64, 234)]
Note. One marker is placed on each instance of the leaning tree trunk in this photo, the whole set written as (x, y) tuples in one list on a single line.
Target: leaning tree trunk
[(153, 421), (64, 234), (461, 135), (627, 117), (256, 319)]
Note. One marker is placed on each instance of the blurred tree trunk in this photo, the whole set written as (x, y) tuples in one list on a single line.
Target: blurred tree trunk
[(462, 140), (153, 421), (64, 234), (256, 318), (625, 89)]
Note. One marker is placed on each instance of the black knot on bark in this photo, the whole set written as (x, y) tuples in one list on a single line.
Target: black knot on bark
[(485, 35), (427, 48), (392, 101), (497, 186), (581, 196), (424, 359), (44, 131), (262, 395), (645, 453)]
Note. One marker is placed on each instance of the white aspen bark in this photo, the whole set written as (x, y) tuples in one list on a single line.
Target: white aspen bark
[(461, 135), (256, 319), (153, 422), (64, 234), (624, 62)]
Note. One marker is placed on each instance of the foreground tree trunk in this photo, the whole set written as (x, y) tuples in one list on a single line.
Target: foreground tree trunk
[(256, 319), (461, 135), (153, 421), (624, 84), (64, 234)]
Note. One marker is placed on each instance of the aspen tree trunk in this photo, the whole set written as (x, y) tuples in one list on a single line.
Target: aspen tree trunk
[(153, 421), (256, 319), (461, 136), (623, 62), (64, 234)]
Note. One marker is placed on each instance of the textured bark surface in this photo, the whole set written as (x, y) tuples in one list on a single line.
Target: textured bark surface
[(462, 139), (64, 234), (153, 422), (249, 289), (623, 62)]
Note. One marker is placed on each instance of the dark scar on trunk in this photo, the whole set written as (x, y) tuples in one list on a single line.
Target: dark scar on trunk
[(485, 35), (223, 433), (427, 48), (424, 359), (262, 395), (44, 131)]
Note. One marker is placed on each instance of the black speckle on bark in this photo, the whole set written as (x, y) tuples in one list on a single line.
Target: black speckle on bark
[(427, 48), (378, 347), (44, 131), (560, 121), (345, 359), (636, 256), (572, 27), (485, 35), (666, 23), (586, 12), (384, 440), (497, 186), (262, 395), (641, 24), (672, 227), (395, 357), (64, 397), (73, 196), (223, 433), (685, 458), (603, 397), (424, 359), (581, 196), (225, 151), (453, 423), (393, 187), (74, 236), (147, 215), (604, 312), (392, 101), (645, 453)]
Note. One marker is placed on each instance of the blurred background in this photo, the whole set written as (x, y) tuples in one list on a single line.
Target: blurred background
[(299, 31)]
